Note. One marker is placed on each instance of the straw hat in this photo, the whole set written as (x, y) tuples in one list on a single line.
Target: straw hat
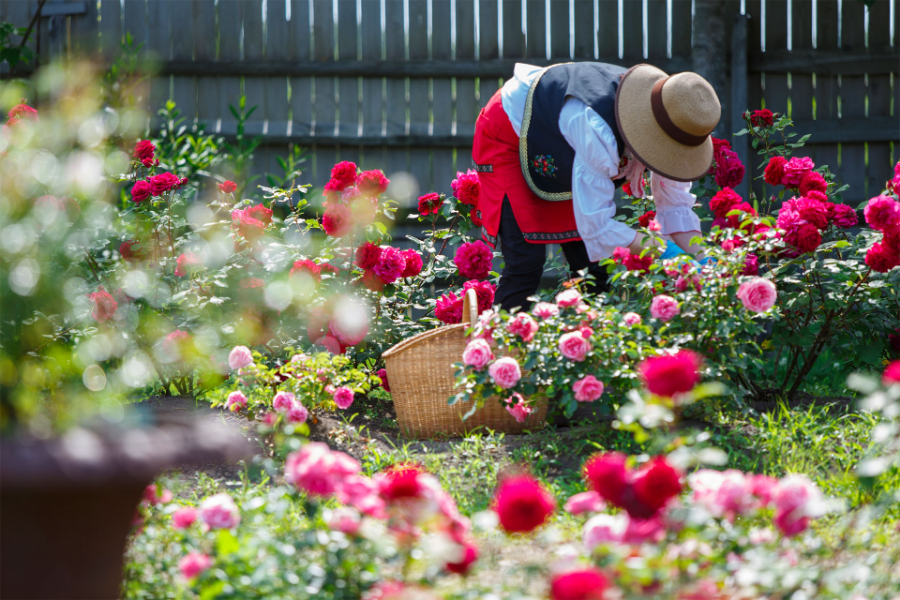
[(666, 121)]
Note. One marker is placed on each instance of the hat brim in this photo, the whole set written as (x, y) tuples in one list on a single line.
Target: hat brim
[(646, 139)]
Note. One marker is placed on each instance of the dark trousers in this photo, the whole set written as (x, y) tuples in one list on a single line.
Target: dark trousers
[(524, 264)]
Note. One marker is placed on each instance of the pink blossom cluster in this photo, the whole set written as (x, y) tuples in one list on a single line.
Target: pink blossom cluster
[(292, 409), (219, 512), (384, 265), (449, 307), (186, 263), (404, 495), (632, 262), (467, 188), (351, 198), (104, 305), (157, 185), (251, 223), (882, 213), (729, 494)]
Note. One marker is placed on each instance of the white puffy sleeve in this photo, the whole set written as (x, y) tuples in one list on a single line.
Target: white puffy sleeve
[(674, 205), (596, 163)]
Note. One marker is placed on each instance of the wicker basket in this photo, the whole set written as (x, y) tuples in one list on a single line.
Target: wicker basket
[(422, 378)]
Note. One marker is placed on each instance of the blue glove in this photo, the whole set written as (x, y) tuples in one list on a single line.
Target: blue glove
[(672, 250)]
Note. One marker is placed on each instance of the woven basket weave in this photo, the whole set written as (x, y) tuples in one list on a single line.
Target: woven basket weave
[(420, 370)]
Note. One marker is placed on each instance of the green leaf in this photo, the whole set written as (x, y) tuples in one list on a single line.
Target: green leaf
[(211, 591), (226, 543)]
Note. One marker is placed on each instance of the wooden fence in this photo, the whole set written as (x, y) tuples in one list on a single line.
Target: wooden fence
[(398, 84)]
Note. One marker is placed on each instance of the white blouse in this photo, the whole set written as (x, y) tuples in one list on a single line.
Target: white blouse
[(596, 164)]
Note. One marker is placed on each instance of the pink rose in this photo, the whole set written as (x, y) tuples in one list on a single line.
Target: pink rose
[(795, 497), (588, 389), (318, 471), (568, 298), (297, 414), (585, 502), (194, 563), (474, 260), (236, 401), (586, 332), (573, 346), (184, 517), (477, 354), (523, 326), (466, 187), (844, 216), (604, 529), (104, 305), (545, 310), (219, 512), (517, 407), (882, 213), (505, 372), (343, 397), (390, 265), (758, 295), (283, 402), (346, 520), (240, 357), (631, 319), (664, 308), (795, 169)]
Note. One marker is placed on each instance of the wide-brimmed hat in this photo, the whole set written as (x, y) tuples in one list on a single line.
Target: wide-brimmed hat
[(666, 120)]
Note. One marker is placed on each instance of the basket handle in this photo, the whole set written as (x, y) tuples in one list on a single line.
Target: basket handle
[(470, 307)]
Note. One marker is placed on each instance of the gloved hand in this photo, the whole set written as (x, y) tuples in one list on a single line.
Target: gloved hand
[(708, 260), (672, 250)]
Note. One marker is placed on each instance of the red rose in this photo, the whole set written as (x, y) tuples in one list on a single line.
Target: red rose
[(626, 188), (430, 204), (882, 258), (762, 117), (808, 237), (891, 238), (337, 220), (812, 211), (143, 152), (343, 175), (104, 305), (413, 263), (882, 213), (372, 183), (484, 291), (162, 183), (21, 111), (734, 221), (470, 555), (141, 191), (723, 201), (583, 584), (774, 170), (250, 223), (751, 265), (654, 485), (126, 249), (382, 375), (729, 170), (813, 181), (522, 504), (307, 266), (401, 481), (467, 187), (367, 255), (226, 187), (608, 476), (672, 374), (891, 373), (372, 281), (719, 146), (644, 219), (186, 263)]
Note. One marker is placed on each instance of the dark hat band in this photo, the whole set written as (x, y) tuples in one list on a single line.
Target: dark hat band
[(662, 118)]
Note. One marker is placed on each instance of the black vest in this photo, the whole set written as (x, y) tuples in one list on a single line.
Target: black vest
[(544, 153)]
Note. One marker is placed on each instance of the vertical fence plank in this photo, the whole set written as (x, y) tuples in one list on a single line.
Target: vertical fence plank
[(230, 23), (442, 88), (159, 38), (584, 29), (204, 15), (373, 87), (633, 31), (559, 30), (348, 89), (396, 103), (513, 37), (682, 24), (254, 87), (301, 87), (135, 22), (488, 31), (608, 31), (110, 26), (879, 168), (419, 100), (465, 30), (86, 30), (184, 90), (826, 88), (536, 30), (325, 107), (656, 31), (801, 83), (853, 103), (278, 47)]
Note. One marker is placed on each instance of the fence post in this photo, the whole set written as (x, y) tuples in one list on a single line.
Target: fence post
[(739, 100)]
